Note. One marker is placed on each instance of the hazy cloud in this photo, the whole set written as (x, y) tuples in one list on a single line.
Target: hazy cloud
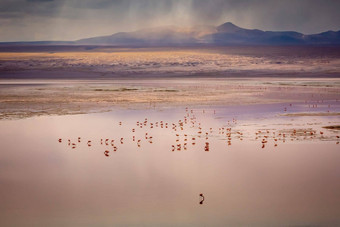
[(40, 0), (74, 19)]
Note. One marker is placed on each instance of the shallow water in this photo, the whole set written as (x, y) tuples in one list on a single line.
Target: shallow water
[(293, 180)]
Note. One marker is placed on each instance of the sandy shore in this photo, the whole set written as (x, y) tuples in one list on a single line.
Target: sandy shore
[(27, 98), (43, 81), (104, 63)]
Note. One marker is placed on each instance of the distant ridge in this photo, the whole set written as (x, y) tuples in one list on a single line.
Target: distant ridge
[(225, 34)]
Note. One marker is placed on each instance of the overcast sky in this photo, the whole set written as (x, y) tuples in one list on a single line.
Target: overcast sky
[(26, 20)]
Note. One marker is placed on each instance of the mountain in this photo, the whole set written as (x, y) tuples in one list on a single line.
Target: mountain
[(225, 34), (329, 37), (168, 35)]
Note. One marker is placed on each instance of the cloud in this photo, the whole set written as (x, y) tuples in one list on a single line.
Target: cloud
[(74, 19), (40, 0)]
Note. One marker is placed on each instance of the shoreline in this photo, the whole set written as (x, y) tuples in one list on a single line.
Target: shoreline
[(94, 76), (28, 98)]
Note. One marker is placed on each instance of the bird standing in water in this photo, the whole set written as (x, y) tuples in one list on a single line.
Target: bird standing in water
[(202, 197)]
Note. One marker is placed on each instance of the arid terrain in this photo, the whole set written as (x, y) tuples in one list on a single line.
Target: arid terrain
[(27, 98), (51, 80), (100, 62)]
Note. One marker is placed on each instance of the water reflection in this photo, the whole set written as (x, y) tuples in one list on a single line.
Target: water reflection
[(47, 182), (202, 127)]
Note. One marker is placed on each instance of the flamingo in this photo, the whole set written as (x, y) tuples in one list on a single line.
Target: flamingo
[(202, 196)]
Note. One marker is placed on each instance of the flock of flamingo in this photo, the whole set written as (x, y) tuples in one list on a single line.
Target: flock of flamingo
[(188, 131)]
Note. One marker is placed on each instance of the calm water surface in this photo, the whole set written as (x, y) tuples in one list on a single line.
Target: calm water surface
[(291, 181)]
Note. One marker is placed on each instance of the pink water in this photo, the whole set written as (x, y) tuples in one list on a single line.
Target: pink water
[(45, 182)]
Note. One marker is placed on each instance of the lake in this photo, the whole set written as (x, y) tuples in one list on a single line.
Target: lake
[(255, 165)]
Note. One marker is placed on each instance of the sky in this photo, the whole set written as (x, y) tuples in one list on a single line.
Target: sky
[(33, 20)]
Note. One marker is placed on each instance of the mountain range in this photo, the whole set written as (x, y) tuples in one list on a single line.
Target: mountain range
[(225, 34)]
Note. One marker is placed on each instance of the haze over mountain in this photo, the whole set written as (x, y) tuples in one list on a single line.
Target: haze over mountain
[(225, 34)]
